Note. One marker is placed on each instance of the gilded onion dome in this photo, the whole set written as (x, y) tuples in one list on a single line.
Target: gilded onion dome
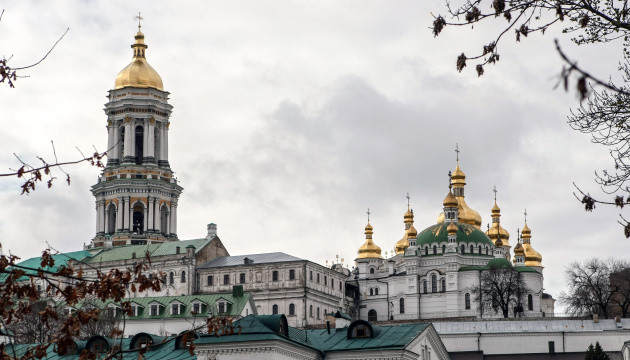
[(464, 213), (139, 73), (532, 257), (449, 201), (369, 250), (496, 231), (410, 232), (451, 229), (519, 251)]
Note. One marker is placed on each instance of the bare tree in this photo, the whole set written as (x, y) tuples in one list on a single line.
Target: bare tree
[(501, 289)]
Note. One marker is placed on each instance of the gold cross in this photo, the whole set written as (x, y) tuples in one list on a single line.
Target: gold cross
[(368, 213), (457, 151), (525, 213), (139, 19), (495, 193), (408, 198)]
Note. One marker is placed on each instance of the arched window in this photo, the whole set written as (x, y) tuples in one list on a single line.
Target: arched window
[(171, 278), (371, 291), (291, 309), (375, 291), (274, 309), (463, 249), (467, 301), (479, 249), (424, 286), (434, 249), (402, 305), (530, 302), (310, 311), (433, 283), (443, 285), (472, 249), (426, 250), (372, 315), (164, 220), (183, 280), (371, 270), (156, 143), (139, 144), (111, 219), (138, 218), (121, 142), (486, 250), (443, 249)]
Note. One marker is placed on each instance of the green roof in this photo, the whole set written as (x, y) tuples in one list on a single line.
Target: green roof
[(164, 351), (498, 263), (237, 307), (126, 252), (169, 248), (466, 234), (60, 259)]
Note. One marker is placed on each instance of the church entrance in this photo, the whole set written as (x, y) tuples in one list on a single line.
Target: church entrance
[(138, 219)]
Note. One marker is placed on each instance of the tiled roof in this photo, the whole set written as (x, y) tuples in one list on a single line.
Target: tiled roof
[(257, 259), (520, 326)]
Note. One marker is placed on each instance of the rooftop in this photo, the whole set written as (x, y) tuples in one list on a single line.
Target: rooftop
[(266, 258), (520, 326)]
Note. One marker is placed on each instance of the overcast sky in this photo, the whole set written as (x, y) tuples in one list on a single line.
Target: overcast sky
[(292, 117)]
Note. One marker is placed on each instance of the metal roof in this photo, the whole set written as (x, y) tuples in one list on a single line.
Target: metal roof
[(267, 258), (520, 326)]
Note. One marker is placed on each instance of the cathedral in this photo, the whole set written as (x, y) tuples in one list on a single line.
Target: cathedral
[(432, 274)]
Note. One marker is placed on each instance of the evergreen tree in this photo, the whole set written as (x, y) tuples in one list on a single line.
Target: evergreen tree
[(596, 353)]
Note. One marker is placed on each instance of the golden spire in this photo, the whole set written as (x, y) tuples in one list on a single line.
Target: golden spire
[(369, 250), (532, 257), (139, 73), (465, 214), (497, 231), (410, 231)]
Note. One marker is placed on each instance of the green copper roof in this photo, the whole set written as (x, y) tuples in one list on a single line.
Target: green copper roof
[(60, 259), (126, 252), (170, 248), (498, 263), (466, 234)]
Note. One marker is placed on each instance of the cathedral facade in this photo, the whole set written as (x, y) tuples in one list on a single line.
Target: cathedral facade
[(433, 273)]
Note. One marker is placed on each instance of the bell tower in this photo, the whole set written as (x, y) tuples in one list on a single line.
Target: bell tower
[(137, 193)]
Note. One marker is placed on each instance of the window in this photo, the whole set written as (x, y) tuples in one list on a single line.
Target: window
[(467, 301), (424, 286), (443, 249), (372, 315), (241, 278), (443, 285), (311, 275), (433, 283), (274, 309), (274, 276), (175, 309), (375, 291), (371, 270), (426, 250), (472, 249), (164, 220), (318, 278), (291, 309), (138, 219), (196, 308), (178, 250), (183, 277), (318, 312), (360, 331), (479, 249), (371, 291), (402, 305), (291, 274), (340, 286), (155, 311), (134, 310), (226, 279), (463, 249), (171, 278), (332, 283), (530, 302), (486, 250), (310, 311), (139, 144), (325, 280), (221, 307), (210, 280), (434, 249), (111, 217)]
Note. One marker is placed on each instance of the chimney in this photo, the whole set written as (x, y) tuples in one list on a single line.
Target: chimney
[(190, 251), (212, 231), (328, 326)]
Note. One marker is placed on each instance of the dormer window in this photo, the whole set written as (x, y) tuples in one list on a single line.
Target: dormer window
[(155, 310), (360, 329), (196, 308)]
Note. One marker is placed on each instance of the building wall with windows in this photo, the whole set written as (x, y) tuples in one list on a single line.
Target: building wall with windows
[(280, 284)]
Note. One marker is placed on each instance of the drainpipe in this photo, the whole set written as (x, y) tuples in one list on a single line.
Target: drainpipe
[(305, 306), (563, 350), (386, 283), (480, 294), (478, 341)]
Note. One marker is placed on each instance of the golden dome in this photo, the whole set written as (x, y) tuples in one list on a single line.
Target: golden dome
[(450, 200), (369, 250), (465, 214), (496, 231), (410, 232), (451, 229), (458, 177), (519, 250), (139, 73), (532, 257), (402, 244)]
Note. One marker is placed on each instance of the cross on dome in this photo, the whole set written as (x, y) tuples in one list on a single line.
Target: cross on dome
[(368, 214), (457, 151), (140, 18), (495, 192)]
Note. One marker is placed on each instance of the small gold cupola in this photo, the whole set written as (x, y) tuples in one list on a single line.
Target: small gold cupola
[(410, 231), (496, 231), (532, 257), (139, 73), (369, 250), (466, 215)]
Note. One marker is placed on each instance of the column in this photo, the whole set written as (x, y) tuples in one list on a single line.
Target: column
[(98, 217), (145, 226), (128, 155), (105, 220), (173, 218), (119, 214), (145, 140), (126, 223), (113, 151), (168, 222), (151, 212), (111, 129)]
